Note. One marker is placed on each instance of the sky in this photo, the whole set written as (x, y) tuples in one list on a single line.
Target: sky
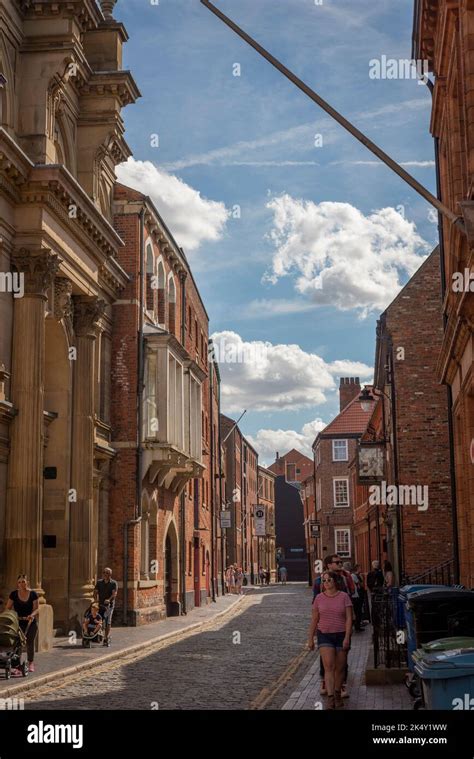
[(298, 237)]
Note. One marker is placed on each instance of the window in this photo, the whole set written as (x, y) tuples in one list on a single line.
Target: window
[(151, 409), (150, 295), (290, 473), (341, 492), (339, 450), (318, 455), (342, 542)]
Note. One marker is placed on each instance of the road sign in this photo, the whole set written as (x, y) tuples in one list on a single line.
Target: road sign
[(259, 514)]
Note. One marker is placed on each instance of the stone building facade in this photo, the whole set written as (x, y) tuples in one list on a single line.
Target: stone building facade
[(61, 136), (266, 548)]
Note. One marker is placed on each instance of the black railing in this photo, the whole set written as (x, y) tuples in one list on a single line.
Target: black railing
[(390, 648), (443, 574)]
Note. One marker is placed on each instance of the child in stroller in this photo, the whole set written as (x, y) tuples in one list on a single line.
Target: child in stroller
[(92, 627), (12, 640)]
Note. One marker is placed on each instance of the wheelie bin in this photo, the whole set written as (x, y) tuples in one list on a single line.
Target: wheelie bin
[(447, 679)]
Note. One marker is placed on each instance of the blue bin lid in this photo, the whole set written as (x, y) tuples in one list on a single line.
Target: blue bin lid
[(414, 588), (438, 594), (447, 664)]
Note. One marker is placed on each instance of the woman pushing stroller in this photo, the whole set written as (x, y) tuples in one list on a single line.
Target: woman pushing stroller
[(25, 603)]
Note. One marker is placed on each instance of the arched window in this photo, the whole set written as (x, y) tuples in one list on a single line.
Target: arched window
[(145, 540), (161, 293), (172, 306), (150, 293)]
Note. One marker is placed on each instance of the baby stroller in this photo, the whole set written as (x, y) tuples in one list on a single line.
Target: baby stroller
[(92, 637), (12, 641)]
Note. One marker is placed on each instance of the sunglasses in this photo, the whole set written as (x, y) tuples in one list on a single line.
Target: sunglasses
[(336, 562), (329, 580)]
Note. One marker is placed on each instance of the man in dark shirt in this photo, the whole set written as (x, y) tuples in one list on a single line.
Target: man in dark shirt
[(105, 593)]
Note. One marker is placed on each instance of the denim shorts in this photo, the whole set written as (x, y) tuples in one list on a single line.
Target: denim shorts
[(331, 640)]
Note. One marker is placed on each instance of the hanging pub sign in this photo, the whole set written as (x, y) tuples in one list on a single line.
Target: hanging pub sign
[(370, 462)]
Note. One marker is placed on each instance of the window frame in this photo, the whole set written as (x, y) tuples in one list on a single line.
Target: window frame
[(346, 443), (343, 554), (341, 505)]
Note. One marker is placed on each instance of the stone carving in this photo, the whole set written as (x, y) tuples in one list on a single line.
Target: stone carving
[(107, 7), (38, 268), (63, 305), (88, 310)]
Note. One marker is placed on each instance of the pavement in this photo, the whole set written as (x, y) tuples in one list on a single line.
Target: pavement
[(361, 696), (67, 656)]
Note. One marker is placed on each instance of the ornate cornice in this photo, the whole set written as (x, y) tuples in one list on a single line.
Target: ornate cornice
[(15, 166), (53, 186), (38, 267), (85, 12), (118, 84)]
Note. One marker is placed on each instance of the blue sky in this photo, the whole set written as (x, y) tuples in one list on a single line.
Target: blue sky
[(249, 140)]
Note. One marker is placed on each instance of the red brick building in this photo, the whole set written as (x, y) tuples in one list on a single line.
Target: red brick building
[(311, 525), (266, 548), (334, 449), (443, 36), (412, 425), (241, 478), (294, 466), (164, 419)]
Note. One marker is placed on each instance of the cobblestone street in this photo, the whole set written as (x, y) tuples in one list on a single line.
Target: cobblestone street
[(238, 663)]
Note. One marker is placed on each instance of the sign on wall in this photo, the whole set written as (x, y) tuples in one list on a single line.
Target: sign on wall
[(226, 520), (259, 517)]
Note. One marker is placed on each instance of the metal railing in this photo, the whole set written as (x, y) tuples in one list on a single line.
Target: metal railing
[(443, 574), (390, 649)]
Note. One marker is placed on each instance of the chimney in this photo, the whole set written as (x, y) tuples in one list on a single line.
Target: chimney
[(349, 388), (278, 456)]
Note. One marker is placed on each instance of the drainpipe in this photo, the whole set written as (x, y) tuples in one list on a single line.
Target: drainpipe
[(139, 401), (223, 531), (211, 472), (182, 505)]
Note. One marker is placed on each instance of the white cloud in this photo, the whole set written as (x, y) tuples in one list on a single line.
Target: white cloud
[(341, 257), (260, 376), (419, 164), (191, 218), (269, 442)]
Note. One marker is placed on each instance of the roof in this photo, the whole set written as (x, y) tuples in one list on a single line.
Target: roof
[(352, 420)]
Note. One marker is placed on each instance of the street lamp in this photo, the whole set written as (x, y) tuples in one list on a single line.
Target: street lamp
[(366, 399)]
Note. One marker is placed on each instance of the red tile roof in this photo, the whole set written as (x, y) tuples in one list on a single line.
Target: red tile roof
[(352, 419)]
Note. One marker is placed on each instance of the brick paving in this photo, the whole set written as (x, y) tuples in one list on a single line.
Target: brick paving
[(68, 654), (306, 693)]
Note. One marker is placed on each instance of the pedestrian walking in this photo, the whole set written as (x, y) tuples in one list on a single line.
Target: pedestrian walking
[(345, 583), (283, 575), (356, 598), (375, 581), (267, 577), (239, 578), (230, 579), (105, 593), (332, 621), (388, 574), (25, 603), (261, 575)]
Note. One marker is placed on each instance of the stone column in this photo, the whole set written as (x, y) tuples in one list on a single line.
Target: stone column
[(24, 509), (87, 313)]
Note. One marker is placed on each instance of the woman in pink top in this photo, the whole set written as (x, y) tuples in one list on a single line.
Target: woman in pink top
[(332, 619)]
